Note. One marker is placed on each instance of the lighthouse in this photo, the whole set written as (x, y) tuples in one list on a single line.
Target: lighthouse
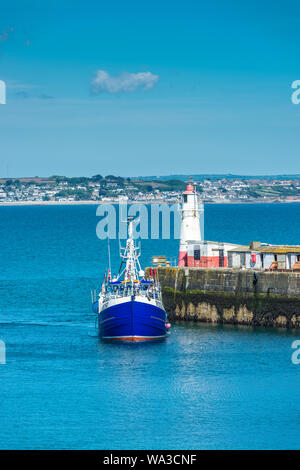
[(190, 222)]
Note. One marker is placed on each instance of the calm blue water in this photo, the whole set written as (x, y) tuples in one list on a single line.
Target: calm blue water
[(204, 387)]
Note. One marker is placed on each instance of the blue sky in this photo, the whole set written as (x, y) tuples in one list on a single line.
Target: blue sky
[(216, 97)]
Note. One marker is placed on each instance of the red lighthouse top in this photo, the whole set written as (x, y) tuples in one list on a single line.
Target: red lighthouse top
[(189, 189)]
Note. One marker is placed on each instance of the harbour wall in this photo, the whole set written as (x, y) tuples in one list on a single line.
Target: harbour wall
[(232, 296)]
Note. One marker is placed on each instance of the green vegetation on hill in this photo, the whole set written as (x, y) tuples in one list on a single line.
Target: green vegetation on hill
[(273, 191), (79, 195)]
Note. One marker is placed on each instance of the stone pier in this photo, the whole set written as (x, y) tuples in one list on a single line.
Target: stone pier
[(270, 299)]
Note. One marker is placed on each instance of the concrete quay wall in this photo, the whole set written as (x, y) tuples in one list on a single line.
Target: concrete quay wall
[(230, 296)]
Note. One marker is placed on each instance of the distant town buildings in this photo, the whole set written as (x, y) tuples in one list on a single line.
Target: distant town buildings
[(111, 188)]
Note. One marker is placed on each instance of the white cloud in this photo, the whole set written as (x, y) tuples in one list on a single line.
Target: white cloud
[(124, 82)]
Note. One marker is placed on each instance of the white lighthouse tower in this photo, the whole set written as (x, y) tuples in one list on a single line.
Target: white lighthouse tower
[(190, 222)]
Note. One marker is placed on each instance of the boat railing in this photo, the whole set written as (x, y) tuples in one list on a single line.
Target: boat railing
[(120, 293)]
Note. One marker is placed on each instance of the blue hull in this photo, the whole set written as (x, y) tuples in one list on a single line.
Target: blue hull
[(132, 321)]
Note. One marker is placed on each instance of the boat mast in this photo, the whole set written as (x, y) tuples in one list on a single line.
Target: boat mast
[(130, 270)]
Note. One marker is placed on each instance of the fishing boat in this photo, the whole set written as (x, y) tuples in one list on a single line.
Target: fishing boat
[(129, 306)]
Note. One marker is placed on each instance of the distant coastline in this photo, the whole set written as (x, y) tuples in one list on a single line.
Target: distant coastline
[(59, 190), (93, 202)]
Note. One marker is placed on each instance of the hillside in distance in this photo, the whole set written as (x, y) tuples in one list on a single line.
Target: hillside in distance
[(228, 176)]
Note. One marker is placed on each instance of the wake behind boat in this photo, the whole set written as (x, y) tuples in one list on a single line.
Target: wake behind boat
[(129, 306)]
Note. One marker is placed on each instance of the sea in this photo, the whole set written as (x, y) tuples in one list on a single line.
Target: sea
[(204, 387)]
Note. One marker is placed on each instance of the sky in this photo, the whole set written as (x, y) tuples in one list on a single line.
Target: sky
[(149, 88)]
